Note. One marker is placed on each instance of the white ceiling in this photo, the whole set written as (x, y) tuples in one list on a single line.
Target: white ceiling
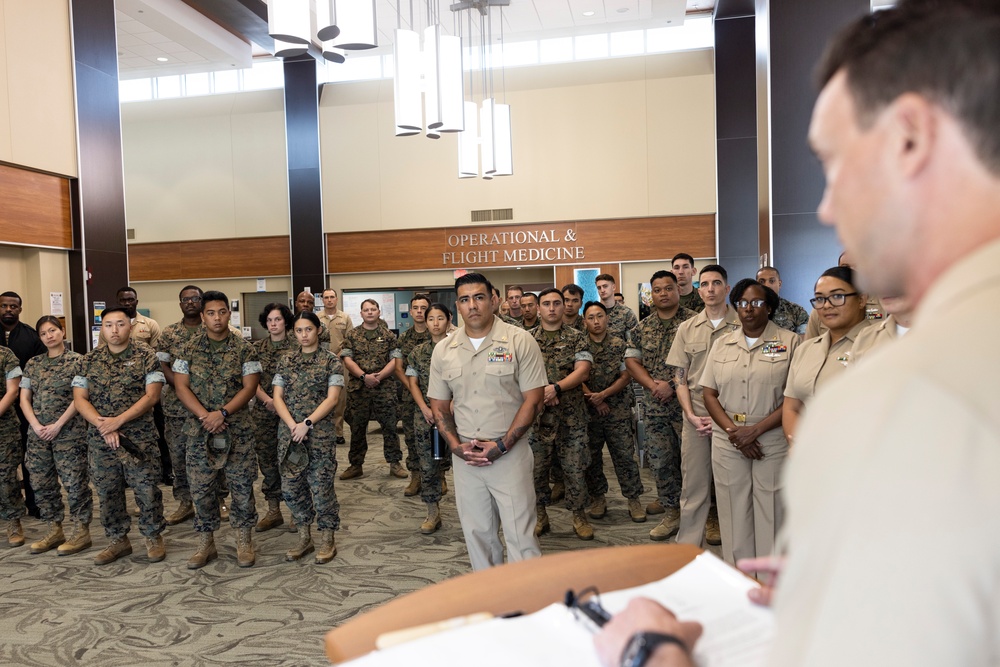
[(164, 37)]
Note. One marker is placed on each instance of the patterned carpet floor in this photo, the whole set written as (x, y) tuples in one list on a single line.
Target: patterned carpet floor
[(65, 610)]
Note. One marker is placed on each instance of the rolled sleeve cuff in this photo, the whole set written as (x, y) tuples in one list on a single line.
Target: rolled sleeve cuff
[(396, 354), (251, 368), (346, 352), (165, 357), (80, 382), (16, 373), (584, 356), (633, 353), (180, 366), (278, 381), (336, 380), (25, 382), (411, 372), (154, 377)]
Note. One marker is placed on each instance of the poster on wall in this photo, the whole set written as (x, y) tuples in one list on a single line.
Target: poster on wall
[(385, 300), (586, 278)]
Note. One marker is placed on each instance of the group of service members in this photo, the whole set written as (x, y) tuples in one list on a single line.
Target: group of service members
[(724, 371)]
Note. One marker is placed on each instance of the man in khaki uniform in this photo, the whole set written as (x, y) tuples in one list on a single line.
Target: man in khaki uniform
[(493, 375), (694, 338), (337, 323), (144, 329)]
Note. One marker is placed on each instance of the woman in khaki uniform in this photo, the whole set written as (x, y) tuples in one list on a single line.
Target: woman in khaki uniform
[(841, 308), (889, 330), (744, 384)]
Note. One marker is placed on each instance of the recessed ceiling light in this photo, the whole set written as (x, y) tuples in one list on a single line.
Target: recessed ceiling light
[(588, 13), (161, 59), (622, 10)]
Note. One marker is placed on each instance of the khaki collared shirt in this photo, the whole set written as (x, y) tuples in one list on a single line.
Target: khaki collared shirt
[(692, 342), (817, 361), (337, 325), (873, 337), (486, 385), (874, 312)]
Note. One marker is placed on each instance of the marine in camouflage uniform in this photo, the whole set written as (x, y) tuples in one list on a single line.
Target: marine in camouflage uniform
[(621, 320), (692, 301), (64, 458), (114, 383), (649, 343), (266, 422), (11, 500), (791, 316), (172, 339), (614, 428), (408, 341), (418, 365), (305, 380), (371, 350), (561, 430), (216, 371)]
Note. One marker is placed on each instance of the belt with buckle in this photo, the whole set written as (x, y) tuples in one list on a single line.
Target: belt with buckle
[(739, 418)]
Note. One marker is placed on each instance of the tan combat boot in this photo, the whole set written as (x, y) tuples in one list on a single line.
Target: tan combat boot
[(352, 472), (245, 556), (444, 484), (183, 512), (78, 540), (668, 526), (327, 549), (115, 550), (433, 520), (655, 508), (541, 521), (413, 488), (636, 511), (15, 533), (598, 508), (304, 546), (155, 551), (396, 470), (292, 528), (581, 526), (223, 510), (713, 535), (273, 518), (50, 541), (206, 552), (558, 491)]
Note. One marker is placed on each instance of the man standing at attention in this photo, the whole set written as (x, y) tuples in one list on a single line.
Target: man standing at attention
[(514, 293), (337, 323), (573, 300), (529, 311), (369, 356), (695, 337), (118, 385), (144, 329), (215, 376), (789, 315), (493, 375), (646, 360), (621, 319), (305, 302), (408, 341), (905, 130), (683, 267)]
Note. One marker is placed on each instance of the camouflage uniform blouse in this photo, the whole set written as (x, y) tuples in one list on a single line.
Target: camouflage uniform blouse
[(791, 316), (418, 365), (621, 320), (561, 352), (9, 424), (650, 343), (50, 381), (116, 381), (306, 380), (270, 354), (609, 362), (371, 351), (171, 341)]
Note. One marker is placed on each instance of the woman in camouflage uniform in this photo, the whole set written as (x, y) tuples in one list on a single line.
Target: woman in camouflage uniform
[(57, 446), (307, 385), (418, 370), (11, 500)]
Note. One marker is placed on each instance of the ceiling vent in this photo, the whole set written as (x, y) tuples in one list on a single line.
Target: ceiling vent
[(130, 233), (493, 215)]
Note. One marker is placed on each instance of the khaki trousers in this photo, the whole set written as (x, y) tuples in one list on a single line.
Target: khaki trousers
[(696, 478)]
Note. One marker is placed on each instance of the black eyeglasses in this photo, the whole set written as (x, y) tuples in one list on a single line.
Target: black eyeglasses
[(835, 300), (190, 299), (756, 303)]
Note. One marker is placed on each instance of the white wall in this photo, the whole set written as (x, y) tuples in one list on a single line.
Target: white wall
[(33, 273)]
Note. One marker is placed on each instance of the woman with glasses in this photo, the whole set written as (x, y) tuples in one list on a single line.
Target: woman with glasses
[(418, 372), (841, 309), (744, 384), (307, 386)]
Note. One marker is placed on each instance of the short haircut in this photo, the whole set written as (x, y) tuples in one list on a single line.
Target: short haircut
[(511, 288), (190, 287), (715, 268), (769, 268), (115, 309), (620, 294), (330, 289), (844, 273), (478, 279), (285, 311), (770, 296), (127, 288), (49, 319), (12, 295), (945, 51), (372, 302), (605, 276), (682, 255), (496, 292), (594, 304), (441, 307), (420, 297), (308, 316), (214, 295), (662, 274), (573, 289), (550, 290), (534, 296)]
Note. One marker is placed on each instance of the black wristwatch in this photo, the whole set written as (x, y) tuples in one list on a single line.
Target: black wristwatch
[(642, 644), (308, 423), (225, 413), (557, 388)]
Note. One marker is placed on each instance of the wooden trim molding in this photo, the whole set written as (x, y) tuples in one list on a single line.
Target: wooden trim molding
[(34, 208), (584, 242), (217, 258)]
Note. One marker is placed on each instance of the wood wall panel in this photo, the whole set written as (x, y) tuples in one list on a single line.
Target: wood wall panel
[(34, 208), (197, 260), (598, 241), (564, 274)]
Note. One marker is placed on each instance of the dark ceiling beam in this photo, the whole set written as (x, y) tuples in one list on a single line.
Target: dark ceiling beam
[(246, 19), (729, 9)]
